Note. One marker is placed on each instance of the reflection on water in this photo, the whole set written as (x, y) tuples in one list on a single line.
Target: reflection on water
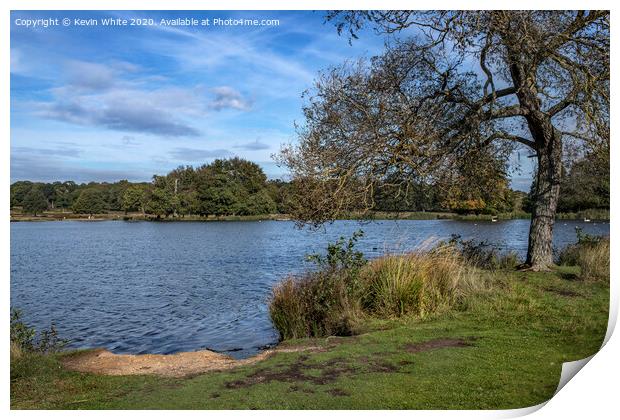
[(144, 287)]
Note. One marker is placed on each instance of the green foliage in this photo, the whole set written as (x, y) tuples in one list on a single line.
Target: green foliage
[(232, 187), (586, 184), (282, 194), (238, 187), (133, 199), (340, 256), (463, 191), (19, 190), (586, 238), (114, 194), (584, 188), (235, 186), (162, 201), (63, 194), (403, 195), (34, 201), (90, 201), (21, 334), (259, 203), (218, 196), (226, 187), (25, 337), (188, 202)]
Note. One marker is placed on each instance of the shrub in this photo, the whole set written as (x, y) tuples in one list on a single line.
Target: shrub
[(317, 304), (24, 338), (322, 302), (341, 257)]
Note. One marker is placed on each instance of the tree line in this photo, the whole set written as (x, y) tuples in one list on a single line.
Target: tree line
[(240, 187), (225, 187)]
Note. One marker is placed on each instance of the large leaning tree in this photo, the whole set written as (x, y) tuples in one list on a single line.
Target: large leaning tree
[(454, 92)]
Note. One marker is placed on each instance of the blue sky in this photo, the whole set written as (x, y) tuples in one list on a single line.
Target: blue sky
[(101, 103)]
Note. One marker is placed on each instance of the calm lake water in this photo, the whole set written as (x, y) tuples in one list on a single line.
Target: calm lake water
[(144, 287)]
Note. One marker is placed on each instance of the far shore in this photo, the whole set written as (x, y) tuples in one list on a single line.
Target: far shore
[(51, 216)]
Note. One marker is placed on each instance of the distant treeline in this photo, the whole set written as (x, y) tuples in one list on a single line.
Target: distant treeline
[(240, 187), (225, 187)]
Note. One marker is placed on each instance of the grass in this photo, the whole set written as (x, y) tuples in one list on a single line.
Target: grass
[(502, 347), (594, 261), (592, 254), (418, 283)]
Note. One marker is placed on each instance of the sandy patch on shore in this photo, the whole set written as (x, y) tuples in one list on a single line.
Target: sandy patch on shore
[(104, 362)]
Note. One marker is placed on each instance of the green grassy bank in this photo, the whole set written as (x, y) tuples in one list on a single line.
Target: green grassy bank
[(500, 348)]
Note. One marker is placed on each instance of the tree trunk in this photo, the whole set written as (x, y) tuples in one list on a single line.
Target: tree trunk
[(548, 146), (540, 252)]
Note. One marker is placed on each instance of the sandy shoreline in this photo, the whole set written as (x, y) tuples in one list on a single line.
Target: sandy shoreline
[(104, 362)]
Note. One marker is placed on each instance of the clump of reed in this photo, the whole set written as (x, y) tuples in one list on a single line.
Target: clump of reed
[(418, 283), (594, 261), (323, 302)]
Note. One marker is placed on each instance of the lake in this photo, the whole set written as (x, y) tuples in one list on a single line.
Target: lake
[(148, 287)]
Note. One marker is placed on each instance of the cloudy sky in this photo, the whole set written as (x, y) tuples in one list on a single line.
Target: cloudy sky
[(102, 103)]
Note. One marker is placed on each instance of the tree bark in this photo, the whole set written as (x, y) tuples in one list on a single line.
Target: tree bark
[(547, 192)]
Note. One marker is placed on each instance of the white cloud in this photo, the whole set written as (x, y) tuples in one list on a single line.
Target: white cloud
[(227, 97)]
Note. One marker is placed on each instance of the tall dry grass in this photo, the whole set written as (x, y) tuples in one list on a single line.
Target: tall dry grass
[(417, 283), (591, 254), (594, 261), (16, 351)]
